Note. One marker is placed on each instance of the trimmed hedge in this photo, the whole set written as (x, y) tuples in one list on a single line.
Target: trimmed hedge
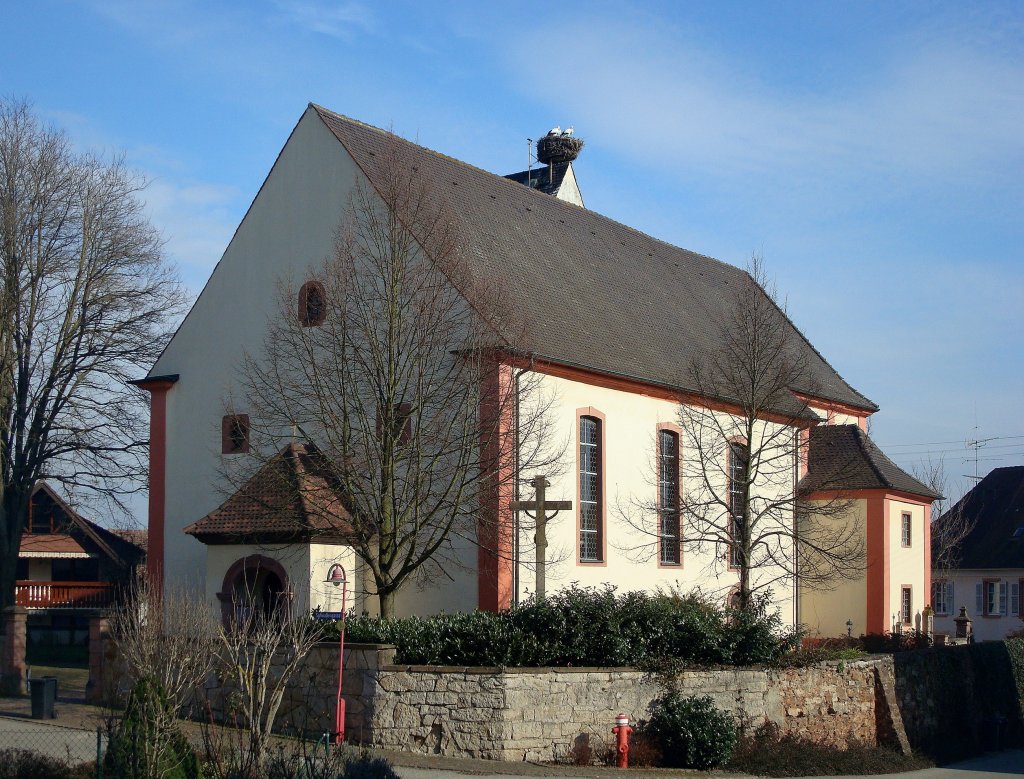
[(585, 627)]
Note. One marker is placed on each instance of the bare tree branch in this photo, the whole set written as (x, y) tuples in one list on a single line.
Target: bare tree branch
[(407, 387), (86, 305)]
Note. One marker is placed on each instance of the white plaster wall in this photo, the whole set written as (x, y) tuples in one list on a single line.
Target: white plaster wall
[(288, 231), (328, 596), (837, 417), (294, 558), (906, 565), (964, 583), (631, 556), (825, 612)]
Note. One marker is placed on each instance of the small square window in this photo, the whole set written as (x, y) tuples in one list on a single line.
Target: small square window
[(234, 434), (312, 304)]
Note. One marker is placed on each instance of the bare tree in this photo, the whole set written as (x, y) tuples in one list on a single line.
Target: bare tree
[(725, 477), (951, 523), (165, 651), (257, 655), (401, 369), (85, 305)]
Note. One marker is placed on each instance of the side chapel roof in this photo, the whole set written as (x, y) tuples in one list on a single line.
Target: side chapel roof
[(594, 293), (995, 506), (843, 457), (291, 498)]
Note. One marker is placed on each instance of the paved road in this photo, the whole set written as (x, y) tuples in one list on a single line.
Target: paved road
[(63, 743), (80, 745)]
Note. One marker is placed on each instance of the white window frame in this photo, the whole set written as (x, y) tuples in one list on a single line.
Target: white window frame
[(942, 596), (906, 529)]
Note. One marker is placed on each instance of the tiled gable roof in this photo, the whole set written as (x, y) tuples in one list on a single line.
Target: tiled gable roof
[(995, 506), (843, 457), (594, 293), (291, 498)]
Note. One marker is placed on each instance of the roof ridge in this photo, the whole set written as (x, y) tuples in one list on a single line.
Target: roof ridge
[(574, 209), (520, 187)]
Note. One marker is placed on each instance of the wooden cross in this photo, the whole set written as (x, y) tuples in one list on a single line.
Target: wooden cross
[(545, 509)]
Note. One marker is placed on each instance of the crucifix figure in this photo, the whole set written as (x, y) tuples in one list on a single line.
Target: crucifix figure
[(543, 511)]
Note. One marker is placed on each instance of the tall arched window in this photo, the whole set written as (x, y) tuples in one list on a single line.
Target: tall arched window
[(737, 484), (312, 304), (668, 497), (591, 510)]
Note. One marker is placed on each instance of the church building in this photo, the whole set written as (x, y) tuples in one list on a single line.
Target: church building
[(615, 316)]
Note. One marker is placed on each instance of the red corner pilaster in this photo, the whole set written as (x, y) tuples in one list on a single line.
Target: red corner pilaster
[(877, 565), (494, 543), (157, 388), (928, 554)]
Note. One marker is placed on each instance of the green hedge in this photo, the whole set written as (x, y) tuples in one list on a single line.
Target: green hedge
[(585, 627)]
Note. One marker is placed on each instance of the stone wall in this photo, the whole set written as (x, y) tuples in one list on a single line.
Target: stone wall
[(961, 700), (540, 713)]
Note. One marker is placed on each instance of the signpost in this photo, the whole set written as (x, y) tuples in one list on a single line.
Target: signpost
[(544, 510), (336, 576)]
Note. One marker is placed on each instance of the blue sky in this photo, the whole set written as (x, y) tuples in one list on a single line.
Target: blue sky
[(872, 152)]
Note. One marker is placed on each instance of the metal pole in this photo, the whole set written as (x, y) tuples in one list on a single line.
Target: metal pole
[(339, 716), (99, 753)]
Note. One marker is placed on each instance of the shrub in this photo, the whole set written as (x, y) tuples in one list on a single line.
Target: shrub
[(769, 753), (27, 764), (147, 741), (585, 627), (691, 732)]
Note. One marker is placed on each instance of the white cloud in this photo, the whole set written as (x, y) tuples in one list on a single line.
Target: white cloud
[(335, 19), (196, 220), (935, 110)]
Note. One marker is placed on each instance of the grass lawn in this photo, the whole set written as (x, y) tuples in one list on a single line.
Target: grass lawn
[(71, 681)]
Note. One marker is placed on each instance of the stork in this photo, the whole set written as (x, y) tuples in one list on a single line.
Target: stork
[(556, 130)]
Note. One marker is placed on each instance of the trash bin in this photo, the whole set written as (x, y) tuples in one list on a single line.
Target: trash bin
[(44, 694)]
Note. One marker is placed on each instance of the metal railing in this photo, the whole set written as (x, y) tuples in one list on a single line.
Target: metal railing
[(63, 595)]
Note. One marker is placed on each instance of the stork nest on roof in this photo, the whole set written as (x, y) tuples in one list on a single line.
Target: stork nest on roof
[(558, 148)]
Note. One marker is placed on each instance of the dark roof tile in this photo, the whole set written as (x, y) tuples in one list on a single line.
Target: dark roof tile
[(995, 506), (843, 457), (594, 293), (292, 497)]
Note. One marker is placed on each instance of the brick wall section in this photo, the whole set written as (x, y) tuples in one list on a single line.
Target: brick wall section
[(14, 669)]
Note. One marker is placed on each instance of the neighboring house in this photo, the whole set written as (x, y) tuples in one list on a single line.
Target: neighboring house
[(68, 570), (614, 315), (987, 575)]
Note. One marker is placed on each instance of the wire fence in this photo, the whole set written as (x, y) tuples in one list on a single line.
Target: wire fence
[(41, 749)]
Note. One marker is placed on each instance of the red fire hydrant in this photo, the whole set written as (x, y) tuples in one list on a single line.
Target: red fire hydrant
[(622, 731)]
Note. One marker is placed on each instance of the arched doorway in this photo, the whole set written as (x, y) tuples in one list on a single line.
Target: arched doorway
[(253, 586)]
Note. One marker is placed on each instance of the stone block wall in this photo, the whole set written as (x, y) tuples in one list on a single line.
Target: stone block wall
[(961, 700), (538, 714)]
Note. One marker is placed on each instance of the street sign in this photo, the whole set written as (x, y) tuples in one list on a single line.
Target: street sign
[(326, 615)]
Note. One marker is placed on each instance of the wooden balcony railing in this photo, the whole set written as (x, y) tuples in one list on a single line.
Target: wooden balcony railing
[(63, 595)]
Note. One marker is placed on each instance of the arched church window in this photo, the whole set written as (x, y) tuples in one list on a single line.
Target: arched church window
[(312, 304)]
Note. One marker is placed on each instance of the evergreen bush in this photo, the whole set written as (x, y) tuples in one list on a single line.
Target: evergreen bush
[(691, 732), (147, 743), (585, 627)]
